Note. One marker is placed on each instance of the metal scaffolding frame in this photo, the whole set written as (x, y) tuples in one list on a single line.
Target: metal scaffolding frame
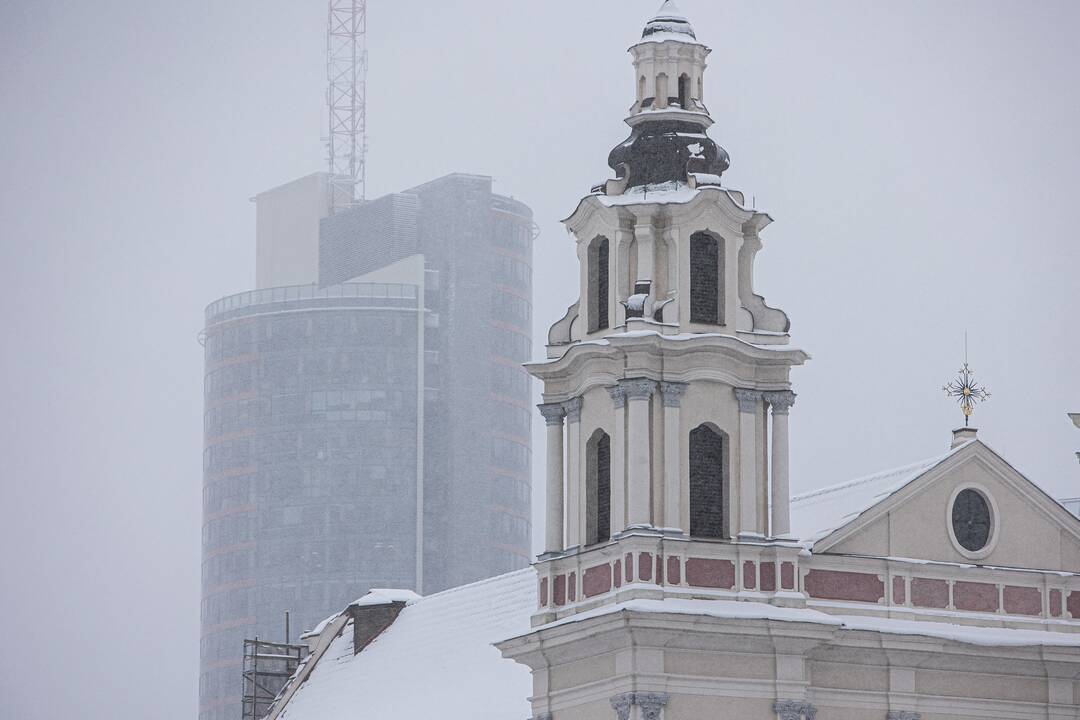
[(267, 666), (346, 99)]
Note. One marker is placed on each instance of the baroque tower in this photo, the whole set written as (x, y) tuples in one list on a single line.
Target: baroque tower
[(667, 385)]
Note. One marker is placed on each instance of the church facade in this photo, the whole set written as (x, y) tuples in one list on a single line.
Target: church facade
[(680, 580)]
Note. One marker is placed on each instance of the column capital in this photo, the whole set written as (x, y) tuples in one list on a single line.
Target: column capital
[(541, 716), (573, 409), (794, 710), (618, 396), (553, 413), (621, 704), (638, 388), (749, 400), (651, 703), (903, 715), (673, 392), (780, 401)]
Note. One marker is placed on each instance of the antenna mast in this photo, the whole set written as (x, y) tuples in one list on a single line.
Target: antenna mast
[(346, 96)]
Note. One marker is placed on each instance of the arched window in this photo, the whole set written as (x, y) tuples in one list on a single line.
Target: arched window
[(641, 89), (598, 488), (708, 482), (684, 91), (661, 90), (598, 284), (706, 279)]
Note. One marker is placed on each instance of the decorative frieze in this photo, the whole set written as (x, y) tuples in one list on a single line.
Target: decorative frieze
[(794, 710), (651, 704), (553, 412), (749, 400), (673, 392)]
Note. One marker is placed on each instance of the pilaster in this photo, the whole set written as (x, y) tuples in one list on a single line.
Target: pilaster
[(575, 492), (618, 460), (672, 393), (781, 403), (553, 415), (749, 404), (638, 392)]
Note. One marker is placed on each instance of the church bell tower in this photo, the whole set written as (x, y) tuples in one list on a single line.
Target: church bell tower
[(667, 385)]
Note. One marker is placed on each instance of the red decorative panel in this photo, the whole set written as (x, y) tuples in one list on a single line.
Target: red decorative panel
[(1073, 604), (702, 572), (899, 592), (618, 573), (644, 568), (596, 580), (543, 592), (978, 597), (629, 568), (749, 574), (1022, 600), (1055, 603), (929, 593), (787, 576), (674, 572), (768, 577), (839, 585), (559, 592), (571, 588)]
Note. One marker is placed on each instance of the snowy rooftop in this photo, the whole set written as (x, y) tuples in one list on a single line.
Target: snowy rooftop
[(817, 513), (439, 650)]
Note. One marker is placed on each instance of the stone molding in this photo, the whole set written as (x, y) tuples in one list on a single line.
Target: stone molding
[(638, 388), (749, 400), (794, 710), (553, 413), (781, 401), (651, 704), (573, 409), (903, 715), (673, 392)]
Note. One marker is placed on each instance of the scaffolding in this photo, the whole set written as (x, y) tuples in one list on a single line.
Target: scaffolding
[(346, 100), (267, 667)]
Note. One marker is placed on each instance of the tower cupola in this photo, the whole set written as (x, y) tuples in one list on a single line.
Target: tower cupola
[(668, 19)]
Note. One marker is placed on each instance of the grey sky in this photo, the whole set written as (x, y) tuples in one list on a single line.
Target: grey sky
[(921, 161)]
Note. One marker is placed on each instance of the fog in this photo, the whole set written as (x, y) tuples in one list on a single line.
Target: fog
[(920, 159)]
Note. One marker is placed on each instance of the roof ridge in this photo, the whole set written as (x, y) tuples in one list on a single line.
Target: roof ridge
[(477, 583), (924, 464)]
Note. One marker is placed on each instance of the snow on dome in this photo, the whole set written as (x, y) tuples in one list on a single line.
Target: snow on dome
[(668, 19)]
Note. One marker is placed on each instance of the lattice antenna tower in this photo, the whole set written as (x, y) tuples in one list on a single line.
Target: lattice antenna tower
[(346, 99)]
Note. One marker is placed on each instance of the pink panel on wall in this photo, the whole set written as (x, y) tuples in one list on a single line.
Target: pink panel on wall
[(596, 580), (787, 576), (929, 593), (977, 597), (1055, 603), (674, 572), (560, 590), (768, 577), (1073, 604), (707, 573), (644, 569), (840, 585), (749, 574), (1022, 600)]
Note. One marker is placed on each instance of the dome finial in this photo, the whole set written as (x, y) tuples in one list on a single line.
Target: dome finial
[(669, 19)]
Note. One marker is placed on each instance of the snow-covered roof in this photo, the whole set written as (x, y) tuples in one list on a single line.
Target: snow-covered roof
[(668, 20), (438, 650), (818, 513)]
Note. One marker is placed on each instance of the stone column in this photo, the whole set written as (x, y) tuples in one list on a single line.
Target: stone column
[(575, 491), (638, 475), (672, 392), (553, 415), (749, 402), (781, 403), (618, 462)]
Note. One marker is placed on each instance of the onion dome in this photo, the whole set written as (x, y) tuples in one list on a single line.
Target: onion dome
[(668, 19)]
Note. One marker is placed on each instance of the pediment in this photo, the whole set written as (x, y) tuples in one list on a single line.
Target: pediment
[(1020, 525)]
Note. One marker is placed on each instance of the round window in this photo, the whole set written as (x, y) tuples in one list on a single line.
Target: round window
[(971, 520)]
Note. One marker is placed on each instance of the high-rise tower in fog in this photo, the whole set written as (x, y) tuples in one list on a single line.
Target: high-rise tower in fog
[(367, 418)]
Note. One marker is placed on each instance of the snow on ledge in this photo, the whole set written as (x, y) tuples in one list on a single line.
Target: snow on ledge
[(384, 596), (736, 610)]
